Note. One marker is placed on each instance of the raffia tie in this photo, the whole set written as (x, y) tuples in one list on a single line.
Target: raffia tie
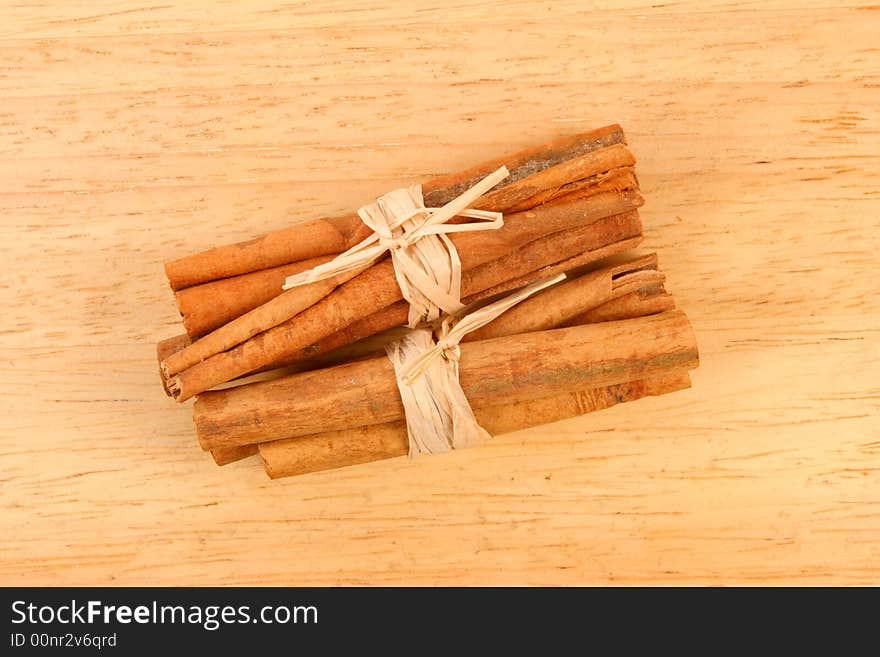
[(438, 415), (426, 263), (428, 270)]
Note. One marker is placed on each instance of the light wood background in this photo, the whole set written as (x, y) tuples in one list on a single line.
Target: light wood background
[(130, 134)]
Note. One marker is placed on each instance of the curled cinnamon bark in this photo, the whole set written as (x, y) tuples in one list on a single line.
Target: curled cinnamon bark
[(377, 287), (547, 309), (326, 236), (209, 306), (338, 449), (474, 248), (507, 369)]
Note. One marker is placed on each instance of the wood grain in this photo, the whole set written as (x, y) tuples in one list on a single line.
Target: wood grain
[(124, 126)]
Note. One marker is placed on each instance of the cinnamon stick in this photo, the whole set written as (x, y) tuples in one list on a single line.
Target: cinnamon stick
[(166, 347), (644, 301), (560, 305), (272, 313), (210, 305), (377, 288), (396, 313), (327, 236), (520, 228), (649, 300), (225, 456), (338, 449), (508, 369), (548, 309), (571, 176), (480, 247)]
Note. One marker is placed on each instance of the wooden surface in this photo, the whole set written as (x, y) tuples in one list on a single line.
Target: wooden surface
[(131, 133)]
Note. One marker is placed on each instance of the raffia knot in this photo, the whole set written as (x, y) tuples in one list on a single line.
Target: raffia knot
[(426, 362), (426, 265), (449, 350), (428, 270), (393, 243)]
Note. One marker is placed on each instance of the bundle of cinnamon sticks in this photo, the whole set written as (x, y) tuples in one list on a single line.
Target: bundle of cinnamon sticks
[(300, 376)]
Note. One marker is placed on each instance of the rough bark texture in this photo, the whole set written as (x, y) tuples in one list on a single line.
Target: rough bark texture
[(319, 237), (508, 369)]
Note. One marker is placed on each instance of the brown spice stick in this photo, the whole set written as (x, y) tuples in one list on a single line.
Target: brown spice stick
[(233, 454), (377, 288), (272, 313), (552, 255), (550, 308), (547, 309), (396, 313), (576, 174), (509, 369), (338, 449), (554, 306), (327, 236), (620, 178), (345, 344), (648, 301), (166, 347), (476, 248), (208, 306)]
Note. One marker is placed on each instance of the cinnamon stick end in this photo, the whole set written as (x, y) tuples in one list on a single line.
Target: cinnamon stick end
[(225, 456)]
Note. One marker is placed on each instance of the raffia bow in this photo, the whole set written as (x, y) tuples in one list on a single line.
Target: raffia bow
[(453, 329), (438, 415), (426, 263), (428, 270)]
